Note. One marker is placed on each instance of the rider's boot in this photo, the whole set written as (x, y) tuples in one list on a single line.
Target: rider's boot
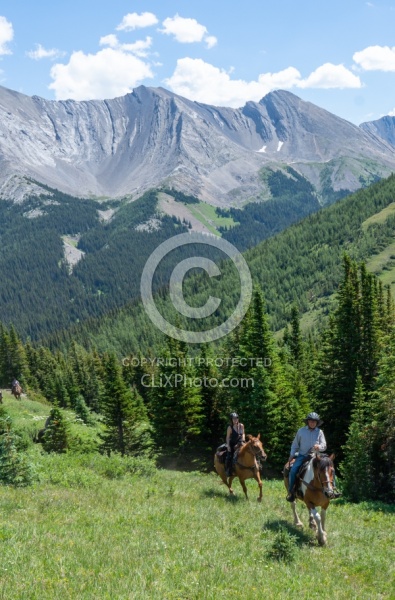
[(228, 464)]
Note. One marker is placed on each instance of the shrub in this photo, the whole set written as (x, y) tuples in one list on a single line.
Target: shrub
[(14, 466), (284, 546)]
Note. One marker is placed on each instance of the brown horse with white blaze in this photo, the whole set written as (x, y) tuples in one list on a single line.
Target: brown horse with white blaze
[(246, 466), (315, 486)]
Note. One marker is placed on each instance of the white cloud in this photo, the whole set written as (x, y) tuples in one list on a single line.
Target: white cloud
[(331, 76), (139, 48), (376, 58), (107, 74), (40, 52), (6, 35), (187, 31), (133, 21), (203, 82), (392, 113), (210, 41), (200, 81), (109, 40)]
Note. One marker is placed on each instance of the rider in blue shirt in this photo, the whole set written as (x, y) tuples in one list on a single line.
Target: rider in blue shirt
[(307, 438)]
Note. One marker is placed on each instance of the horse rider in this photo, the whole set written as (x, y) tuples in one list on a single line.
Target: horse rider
[(14, 383), (234, 437), (307, 438)]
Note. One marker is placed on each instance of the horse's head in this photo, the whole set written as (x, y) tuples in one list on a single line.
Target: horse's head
[(324, 471), (255, 446)]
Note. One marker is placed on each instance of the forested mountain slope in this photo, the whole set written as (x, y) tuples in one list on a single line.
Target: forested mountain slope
[(301, 264)]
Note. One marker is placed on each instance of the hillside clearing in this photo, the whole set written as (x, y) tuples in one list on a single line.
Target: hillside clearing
[(172, 535)]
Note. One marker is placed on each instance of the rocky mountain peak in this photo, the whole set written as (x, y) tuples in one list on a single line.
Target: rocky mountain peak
[(150, 137)]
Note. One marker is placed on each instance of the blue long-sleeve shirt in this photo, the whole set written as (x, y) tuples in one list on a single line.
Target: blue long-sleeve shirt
[(306, 438)]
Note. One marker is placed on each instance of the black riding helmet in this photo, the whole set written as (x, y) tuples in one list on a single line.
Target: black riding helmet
[(313, 416), (233, 415)]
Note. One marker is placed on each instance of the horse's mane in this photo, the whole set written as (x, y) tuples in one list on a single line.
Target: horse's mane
[(323, 461)]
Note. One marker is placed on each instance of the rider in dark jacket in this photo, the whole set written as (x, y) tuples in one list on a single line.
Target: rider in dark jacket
[(234, 436)]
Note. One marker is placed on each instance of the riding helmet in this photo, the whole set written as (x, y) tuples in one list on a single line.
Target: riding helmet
[(314, 417), (233, 415)]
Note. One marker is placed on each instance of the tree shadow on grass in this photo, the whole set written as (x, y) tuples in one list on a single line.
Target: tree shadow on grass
[(303, 537)]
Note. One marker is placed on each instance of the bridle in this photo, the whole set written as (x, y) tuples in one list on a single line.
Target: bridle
[(329, 490), (258, 454)]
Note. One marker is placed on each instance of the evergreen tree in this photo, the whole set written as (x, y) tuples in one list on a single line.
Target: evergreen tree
[(212, 411), (352, 343), (14, 466), (55, 438), (17, 356), (82, 411), (295, 337), (122, 410), (357, 466), (383, 424), (175, 405)]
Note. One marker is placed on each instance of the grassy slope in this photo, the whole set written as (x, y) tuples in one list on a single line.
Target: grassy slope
[(179, 536), (88, 529)]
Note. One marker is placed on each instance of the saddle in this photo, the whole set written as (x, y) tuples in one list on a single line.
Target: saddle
[(221, 453), (302, 468)]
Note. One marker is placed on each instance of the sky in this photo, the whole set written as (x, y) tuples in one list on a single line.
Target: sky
[(338, 55)]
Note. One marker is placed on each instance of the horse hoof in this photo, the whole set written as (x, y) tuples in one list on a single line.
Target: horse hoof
[(322, 541), (299, 525), (259, 499)]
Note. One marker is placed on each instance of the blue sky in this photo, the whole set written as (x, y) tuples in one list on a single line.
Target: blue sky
[(339, 55)]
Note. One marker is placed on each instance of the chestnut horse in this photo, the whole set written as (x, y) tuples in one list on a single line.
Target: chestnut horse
[(246, 465), (16, 391), (315, 486)]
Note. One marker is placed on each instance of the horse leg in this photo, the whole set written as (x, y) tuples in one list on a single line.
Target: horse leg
[(297, 521), (243, 485), (258, 479), (312, 523), (323, 517), (229, 484), (321, 535)]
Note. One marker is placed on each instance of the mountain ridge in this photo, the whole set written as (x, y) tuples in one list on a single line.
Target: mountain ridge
[(152, 137)]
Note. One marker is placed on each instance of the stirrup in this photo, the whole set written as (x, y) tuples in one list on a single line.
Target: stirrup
[(290, 497)]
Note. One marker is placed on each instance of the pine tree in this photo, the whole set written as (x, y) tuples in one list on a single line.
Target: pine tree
[(295, 337), (82, 411), (175, 404), (383, 424), (55, 438), (212, 410), (122, 408), (14, 466), (357, 466), (17, 356)]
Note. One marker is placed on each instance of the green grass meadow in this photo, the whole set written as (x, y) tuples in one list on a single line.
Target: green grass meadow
[(90, 531), (93, 527)]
